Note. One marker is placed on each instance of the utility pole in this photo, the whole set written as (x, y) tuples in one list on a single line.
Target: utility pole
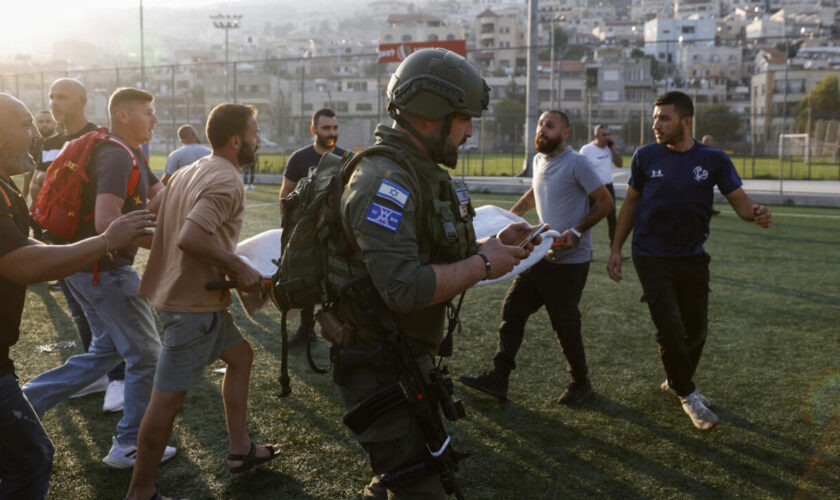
[(531, 103), (142, 51), (226, 22)]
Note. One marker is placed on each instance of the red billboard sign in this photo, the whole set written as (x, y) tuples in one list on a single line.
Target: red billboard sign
[(396, 52)]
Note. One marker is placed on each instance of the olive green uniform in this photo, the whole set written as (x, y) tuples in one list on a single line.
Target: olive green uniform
[(426, 219)]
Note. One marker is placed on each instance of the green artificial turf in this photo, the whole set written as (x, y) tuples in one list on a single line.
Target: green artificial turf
[(771, 369)]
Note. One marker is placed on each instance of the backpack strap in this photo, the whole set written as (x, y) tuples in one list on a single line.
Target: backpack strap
[(134, 177)]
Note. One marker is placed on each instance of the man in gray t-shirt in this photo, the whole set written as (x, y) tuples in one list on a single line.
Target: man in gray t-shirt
[(562, 184), (187, 154)]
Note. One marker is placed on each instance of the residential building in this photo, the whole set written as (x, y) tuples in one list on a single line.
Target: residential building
[(663, 36), (697, 9), (418, 28), (697, 61), (500, 39)]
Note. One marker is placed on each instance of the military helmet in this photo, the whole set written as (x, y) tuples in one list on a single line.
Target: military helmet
[(432, 83)]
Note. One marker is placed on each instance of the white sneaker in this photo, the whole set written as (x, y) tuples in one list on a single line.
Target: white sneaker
[(114, 396), (253, 187), (98, 385), (123, 457), (701, 416), (667, 388)]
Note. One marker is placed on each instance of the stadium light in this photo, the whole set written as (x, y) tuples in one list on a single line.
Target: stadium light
[(226, 22)]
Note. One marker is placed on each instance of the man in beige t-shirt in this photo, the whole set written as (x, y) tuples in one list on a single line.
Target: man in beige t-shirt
[(199, 219)]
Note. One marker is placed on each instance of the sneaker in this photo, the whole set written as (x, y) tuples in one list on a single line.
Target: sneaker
[(123, 457), (114, 396), (667, 388), (98, 385), (576, 392), (490, 382), (300, 337), (701, 416), (253, 187)]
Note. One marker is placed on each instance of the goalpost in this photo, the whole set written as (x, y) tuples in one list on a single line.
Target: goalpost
[(791, 145)]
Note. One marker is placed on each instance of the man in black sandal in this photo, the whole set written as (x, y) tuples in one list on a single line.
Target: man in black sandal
[(200, 216)]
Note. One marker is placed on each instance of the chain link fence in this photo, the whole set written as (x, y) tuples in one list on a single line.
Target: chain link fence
[(613, 90)]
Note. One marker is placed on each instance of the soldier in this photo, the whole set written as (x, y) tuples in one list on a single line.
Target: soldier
[(410, 230)]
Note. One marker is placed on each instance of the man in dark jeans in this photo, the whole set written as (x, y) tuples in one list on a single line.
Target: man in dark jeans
[(325, 130), (26, 452), (563, 182), (669, 202)]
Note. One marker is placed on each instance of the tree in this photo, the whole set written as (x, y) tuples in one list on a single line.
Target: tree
[(824, 103), (719, 121)]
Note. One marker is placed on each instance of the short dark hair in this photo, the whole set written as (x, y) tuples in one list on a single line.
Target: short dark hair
[(599, 127), (184, 131), (561, 114), (322, 112), (125, 95), (227, 120), (43, 111), (681, 102)]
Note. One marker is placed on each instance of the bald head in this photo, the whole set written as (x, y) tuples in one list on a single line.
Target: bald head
[(67, 103), (17, 130)]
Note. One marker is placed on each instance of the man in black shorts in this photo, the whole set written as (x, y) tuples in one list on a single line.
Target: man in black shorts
[(325, 129)]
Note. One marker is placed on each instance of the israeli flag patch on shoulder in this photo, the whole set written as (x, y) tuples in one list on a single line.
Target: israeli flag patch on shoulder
[(383, 216), (392, 192)]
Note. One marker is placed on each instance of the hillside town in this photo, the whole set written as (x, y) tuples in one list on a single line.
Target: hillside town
[(602, 62)]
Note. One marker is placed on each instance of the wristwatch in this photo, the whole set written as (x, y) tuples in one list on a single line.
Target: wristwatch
[(575, 232)]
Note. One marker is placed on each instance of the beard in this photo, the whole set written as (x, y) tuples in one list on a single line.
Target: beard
[(246, 155), (548, 145), (15, 164), (326, 141)]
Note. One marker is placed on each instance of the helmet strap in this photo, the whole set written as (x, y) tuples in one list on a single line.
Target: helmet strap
[(435, 148)]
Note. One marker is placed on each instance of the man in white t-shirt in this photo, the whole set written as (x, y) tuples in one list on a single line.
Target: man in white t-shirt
[(601, 152)]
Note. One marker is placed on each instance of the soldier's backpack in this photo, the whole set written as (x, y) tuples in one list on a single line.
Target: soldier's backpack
[(58, 207), (312, 226)]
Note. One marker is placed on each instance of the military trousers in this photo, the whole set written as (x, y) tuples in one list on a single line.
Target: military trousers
[(394, 440)]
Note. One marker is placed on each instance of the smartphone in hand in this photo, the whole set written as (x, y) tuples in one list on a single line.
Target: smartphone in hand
[(537, 230)]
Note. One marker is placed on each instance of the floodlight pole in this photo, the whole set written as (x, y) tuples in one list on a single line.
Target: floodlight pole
[(142, 51), (226, 22)]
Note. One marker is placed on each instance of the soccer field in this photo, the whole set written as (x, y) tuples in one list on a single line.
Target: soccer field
[(771, 368), (497, 164)]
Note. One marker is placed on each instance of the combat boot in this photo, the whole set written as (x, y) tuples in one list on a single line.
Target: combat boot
[(492, 382)]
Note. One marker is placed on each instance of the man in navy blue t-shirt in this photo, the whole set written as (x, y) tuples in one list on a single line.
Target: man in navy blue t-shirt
[(668, 206), (325, 130)]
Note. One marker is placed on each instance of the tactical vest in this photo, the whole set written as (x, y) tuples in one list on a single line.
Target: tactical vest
[(446, 236)]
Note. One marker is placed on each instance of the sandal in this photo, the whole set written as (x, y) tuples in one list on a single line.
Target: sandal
[(251, 460)]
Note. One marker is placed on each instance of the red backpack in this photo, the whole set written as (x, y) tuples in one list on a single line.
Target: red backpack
[(57, 209)]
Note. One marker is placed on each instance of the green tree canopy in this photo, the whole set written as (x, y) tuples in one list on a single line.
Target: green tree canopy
[(824, 103)]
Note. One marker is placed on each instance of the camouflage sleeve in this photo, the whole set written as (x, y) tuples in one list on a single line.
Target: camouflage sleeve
[(380, 206)]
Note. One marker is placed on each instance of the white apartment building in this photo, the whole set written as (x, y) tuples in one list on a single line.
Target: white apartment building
[(663, 36), (697, 61), (418, 28), (645, 10), (697, 9)]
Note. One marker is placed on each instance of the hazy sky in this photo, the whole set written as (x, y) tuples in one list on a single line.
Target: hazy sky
[(28, 26)]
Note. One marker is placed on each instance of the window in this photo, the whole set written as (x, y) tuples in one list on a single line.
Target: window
[(688, 30), (307, 106), (432, 38), (364, 106), (570, 94), (610, 75), (388, 38), (450, 37), (406, 38), (341, 106), (610, 95)]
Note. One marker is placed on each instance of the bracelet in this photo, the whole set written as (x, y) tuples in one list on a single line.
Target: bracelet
[(575, 232), (109, 252), (487, 268)]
